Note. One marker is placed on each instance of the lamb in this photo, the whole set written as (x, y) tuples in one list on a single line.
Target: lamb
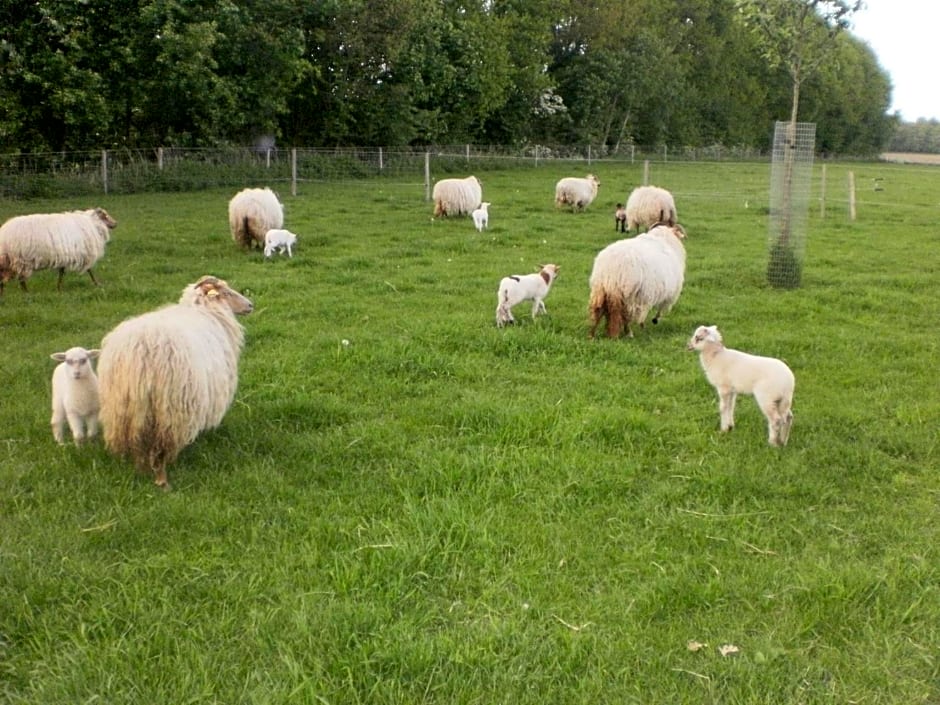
[(279, 240), (169, 374), (74, 395), (481, 216), (631, 277), (251, 213), (649, 205), (457, 196), (73, 241), (732, 372), (517, 288), (576, 192), (620, 219)]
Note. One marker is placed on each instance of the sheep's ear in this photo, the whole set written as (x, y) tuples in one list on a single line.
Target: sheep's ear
[(58, 357), (93, 353)]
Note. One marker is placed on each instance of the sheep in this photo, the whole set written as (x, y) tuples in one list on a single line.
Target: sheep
[(576, 192), (481, 216), (251, 213), (633, 276), (620, 219), (649, 205), (457, 196), (169, 374), (73, 241), (517, 288), (74, 395), (732, 372), (280, 240)]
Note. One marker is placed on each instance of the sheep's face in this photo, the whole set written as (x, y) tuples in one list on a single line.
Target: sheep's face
[(77, 361), (702, 336), (213, 291), (105, 218), (549, 272)]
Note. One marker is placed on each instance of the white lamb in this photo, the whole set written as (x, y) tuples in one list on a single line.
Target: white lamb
[(631, 277), (650, 205), (167, 375), (517, 288), (251, 213), (481, 216), (68, 242), (74, 395), (732, 372), (576, 192), (279, 240), (457, 196)]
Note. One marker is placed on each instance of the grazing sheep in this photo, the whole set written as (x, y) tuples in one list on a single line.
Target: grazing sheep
[(576, 192), (650, 205), (732, 372), (457, 196), (635, 275), (167, 375), (74, 395), (72, 242), (517, 288), (620, 219), (280, 240), (481, 216), (251, 213)]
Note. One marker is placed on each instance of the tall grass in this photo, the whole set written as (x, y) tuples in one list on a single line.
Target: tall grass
[(444, 512)]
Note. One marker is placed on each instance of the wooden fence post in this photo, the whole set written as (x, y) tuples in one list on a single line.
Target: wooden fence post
[(104, 169), (646, 172), (293, 171), (427, 176), (159, 158), (852, 196), (822, 193)]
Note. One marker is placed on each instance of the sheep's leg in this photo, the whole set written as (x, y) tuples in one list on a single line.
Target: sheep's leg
[(58, 425), (726, 399), (77, 427), (783, 434), (160, 478), (58, 285), (91, 426), (538, 306), (93, 279)]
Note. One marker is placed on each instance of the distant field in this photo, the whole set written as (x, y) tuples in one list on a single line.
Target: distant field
[(911, 158), (443, 512)]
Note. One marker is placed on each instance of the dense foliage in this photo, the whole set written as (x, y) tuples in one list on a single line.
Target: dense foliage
[(117, 73)]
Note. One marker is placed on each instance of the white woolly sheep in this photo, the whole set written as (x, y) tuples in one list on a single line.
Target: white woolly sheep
[(517, 288), (251, 213), (457, 196), (169, 374), (732, 372), (279, 240), (481, 216), (69, 242), (576, 192), (74, 395), (650, 205), (631, 277)]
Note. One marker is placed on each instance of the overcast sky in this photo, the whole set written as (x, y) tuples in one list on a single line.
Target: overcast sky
[(903, 35)]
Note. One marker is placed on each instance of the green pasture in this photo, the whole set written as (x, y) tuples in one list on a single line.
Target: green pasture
[(445, 512)]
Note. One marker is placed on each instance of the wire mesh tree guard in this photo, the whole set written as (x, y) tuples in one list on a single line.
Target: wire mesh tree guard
[(791, 174)]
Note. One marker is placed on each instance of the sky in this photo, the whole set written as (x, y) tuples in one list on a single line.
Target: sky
[(903, 35)]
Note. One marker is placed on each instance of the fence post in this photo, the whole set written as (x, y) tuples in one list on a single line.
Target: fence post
[(664, 153), (159, 158), (381, 164), (822, 193), (267, 158), (104, 169), (646, 172), (852, 196), (468, 153), (293, 171), (427, 176), (536, 155), (589, 155), (632, 153)]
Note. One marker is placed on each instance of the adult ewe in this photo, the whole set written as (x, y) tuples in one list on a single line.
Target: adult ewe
[(457, 196), (732, 372), (649, 205), (251, 213), (167, 375), (69, 242), (576, 192), (633, 276)]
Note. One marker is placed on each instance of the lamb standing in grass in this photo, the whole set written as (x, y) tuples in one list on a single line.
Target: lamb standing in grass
[(481, 216), (732, 372), (279, 240), (620, 219), (576, 192), (649, 205), (517, 288), (457, 196), (68, 242), (251, 213), (74, 395)]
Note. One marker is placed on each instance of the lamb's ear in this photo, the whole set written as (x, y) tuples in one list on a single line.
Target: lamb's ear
[(93, 353), (58, 357)]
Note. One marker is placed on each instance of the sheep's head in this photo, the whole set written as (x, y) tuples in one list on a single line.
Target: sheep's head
[(105, 218), (77, 361), (673, 228), (212, 291), (591, 177), (702, 336), (549, 272)]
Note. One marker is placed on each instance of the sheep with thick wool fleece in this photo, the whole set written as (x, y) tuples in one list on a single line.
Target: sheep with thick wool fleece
[(481, 216), (457, 196), (649, 205), (576, 192), (279, 240), (69, 242), (732, 372), (517, 288), (169, 374), (251, 213), (74, 395), (631, 277)]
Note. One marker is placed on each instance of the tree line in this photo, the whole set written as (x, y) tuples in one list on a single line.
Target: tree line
[(88, 74)]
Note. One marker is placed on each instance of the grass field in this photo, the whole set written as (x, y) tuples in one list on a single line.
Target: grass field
[(444, 512)]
